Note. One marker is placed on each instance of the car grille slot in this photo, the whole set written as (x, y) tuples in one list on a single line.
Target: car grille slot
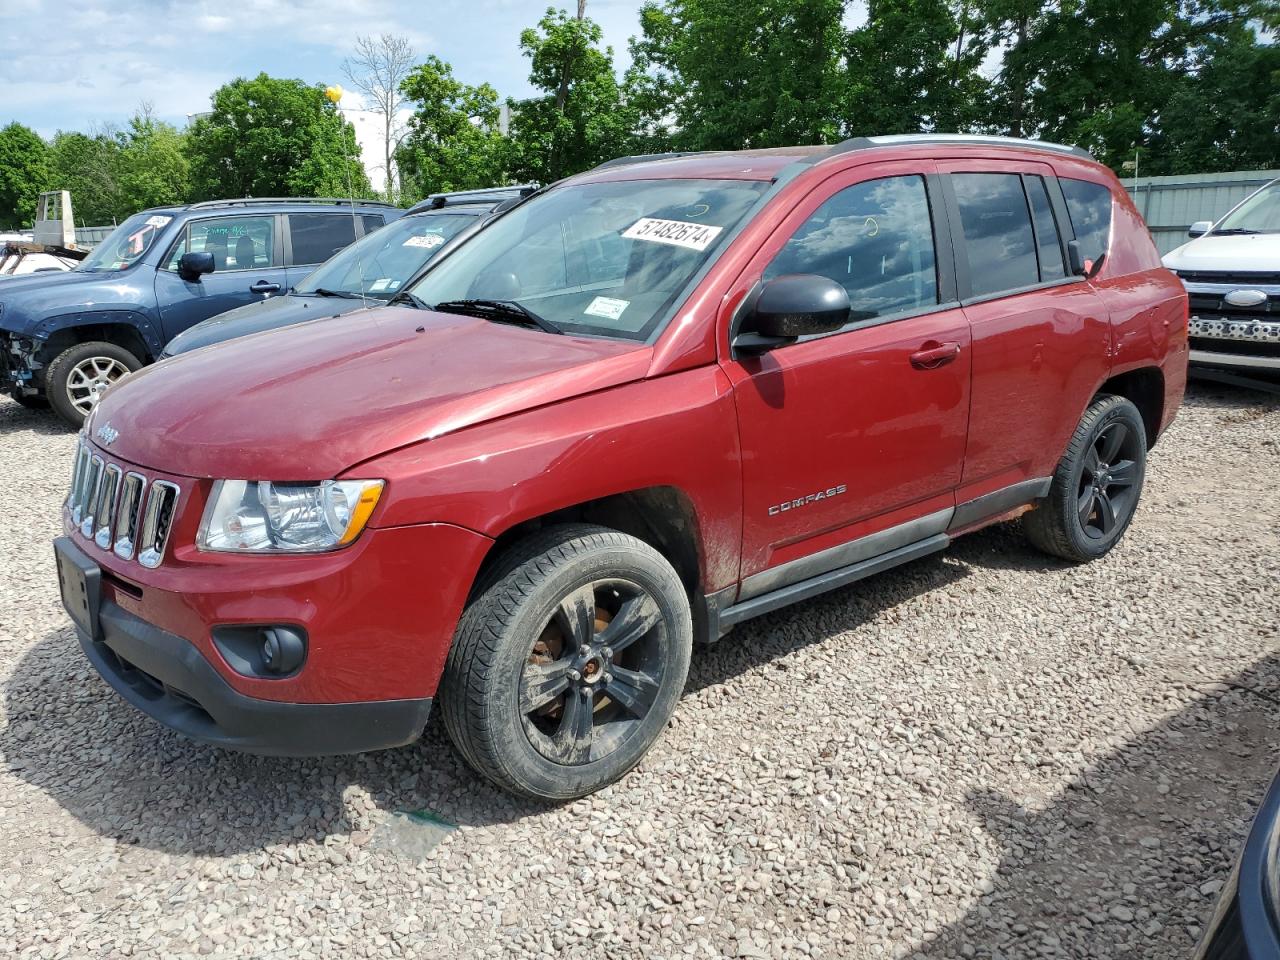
[(120, 511), (104, 507), (128, 514), (156, 523)]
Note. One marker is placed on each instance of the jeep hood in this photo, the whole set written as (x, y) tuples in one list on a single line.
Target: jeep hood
[(1250, 253), (307, 402), (256, 317), (29, 299)]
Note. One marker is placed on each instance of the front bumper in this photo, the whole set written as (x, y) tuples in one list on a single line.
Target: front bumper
[(1226, 336), (168, 679)]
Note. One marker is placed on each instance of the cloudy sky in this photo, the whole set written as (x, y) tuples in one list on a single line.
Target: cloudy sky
[(72, 65)]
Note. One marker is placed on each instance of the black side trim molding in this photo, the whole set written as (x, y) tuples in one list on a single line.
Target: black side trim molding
[(999, 501)]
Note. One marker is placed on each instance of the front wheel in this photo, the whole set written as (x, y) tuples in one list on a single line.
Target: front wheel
[(568, 662), (1097, 485), (77, 376)]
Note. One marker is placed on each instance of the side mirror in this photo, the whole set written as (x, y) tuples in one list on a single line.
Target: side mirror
[(1080, 267), (191, 266), (797, 305), (1199, 228)]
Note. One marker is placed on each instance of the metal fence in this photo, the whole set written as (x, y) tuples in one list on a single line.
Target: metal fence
[(1171, 204)]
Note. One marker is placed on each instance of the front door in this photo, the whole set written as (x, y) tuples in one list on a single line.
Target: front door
[(247, 267), (855, 439)]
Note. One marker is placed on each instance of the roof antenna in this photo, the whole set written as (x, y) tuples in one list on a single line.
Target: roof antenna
[(334, 94)]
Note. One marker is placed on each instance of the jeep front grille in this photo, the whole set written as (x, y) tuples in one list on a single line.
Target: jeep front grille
[(121, 511)]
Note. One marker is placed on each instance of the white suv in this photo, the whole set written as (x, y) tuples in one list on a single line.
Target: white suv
[(1231, 270)]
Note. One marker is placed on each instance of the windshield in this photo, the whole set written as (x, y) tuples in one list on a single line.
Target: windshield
[(597, 258), (1259, 214), (125, 245), (380, 263)]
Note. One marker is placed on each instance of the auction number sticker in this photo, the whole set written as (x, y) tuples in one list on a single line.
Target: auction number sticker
[(607, 307), (158, 221), (678, 233), (428, 240)]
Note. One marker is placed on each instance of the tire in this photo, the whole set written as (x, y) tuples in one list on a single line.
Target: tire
[(1097, 485), (77, 376), (32, 401), (519, 638)]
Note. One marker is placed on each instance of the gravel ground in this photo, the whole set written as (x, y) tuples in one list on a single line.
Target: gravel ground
[(985, 753)]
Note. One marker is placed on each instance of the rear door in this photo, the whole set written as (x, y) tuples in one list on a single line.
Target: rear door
[(853, 441), (1041, 338), (312, 238), (247, 267)]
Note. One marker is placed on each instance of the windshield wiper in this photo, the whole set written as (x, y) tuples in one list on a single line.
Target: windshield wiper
[(404, 296), (500, 311), (1235, 232), (345, 294)]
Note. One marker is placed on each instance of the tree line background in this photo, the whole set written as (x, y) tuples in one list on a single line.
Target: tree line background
[(1194, 85)]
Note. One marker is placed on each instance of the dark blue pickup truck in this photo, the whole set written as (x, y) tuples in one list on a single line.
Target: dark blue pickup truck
[(65, 337)]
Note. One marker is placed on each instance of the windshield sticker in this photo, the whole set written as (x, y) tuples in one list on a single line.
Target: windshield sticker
[(428, 240), (606, 307), (379, 284), (158, 221), (678, 233)]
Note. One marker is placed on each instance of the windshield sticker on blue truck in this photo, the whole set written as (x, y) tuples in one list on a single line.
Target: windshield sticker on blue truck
[(606, 307), (158, 221), (678, 233)]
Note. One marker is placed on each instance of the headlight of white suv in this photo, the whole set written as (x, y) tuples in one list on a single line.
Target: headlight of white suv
[(258, 516)]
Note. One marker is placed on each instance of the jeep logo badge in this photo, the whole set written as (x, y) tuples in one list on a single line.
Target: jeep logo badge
[(1246, 298), (107, 434)]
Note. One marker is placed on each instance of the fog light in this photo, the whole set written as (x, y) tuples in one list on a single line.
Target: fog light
[(282, 650)]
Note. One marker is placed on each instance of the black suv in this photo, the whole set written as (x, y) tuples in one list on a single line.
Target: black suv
[(65, 337), (371, 272)]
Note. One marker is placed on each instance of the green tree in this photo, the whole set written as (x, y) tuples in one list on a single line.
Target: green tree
[(24, 172), (730, 74), (152, 165), (273, 137), (87, 166), (453, 141), (913, 66), (580, 119)]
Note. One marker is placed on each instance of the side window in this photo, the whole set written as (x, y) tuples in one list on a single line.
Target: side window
[(873, 238), (237, 243), (371, 222), (1089, 206), (318, 236), (1048, 245), (997, 232)]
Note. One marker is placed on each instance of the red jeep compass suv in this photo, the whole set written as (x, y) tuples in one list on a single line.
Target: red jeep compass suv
[(643, 405)]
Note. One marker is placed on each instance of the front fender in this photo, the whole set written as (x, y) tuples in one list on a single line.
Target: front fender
[(678, 432), (139, 320)]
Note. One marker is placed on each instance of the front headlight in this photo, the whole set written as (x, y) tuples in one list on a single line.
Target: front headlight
[(258, 516)]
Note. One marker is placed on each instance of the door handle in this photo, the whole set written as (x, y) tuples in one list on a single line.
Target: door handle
[(264, 286), (933, 355)]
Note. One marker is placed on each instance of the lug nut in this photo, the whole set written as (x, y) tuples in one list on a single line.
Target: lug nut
[(607, 652), (574, 675), (584, 649)]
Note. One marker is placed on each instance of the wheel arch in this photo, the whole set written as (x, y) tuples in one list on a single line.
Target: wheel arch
[(123, 332), (1144, 388)]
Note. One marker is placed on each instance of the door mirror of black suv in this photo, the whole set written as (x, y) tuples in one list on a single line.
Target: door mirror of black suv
[(786, 308), (194, 265)]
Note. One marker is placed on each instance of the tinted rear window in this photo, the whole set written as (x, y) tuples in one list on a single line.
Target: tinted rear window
[(997, 232), (1048, 245), (1089, 205), (318, 236)]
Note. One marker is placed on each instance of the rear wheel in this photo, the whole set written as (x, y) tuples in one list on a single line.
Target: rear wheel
[(568, 662), (77, 377), (1097, 485)]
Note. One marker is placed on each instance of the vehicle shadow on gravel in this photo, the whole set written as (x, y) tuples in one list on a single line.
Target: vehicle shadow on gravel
[(124, 776), (15, 418), (1126, 861)]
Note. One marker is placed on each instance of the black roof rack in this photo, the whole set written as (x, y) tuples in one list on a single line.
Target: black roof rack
[(646, 157), (252, 201), (960, 139), (437, 200)]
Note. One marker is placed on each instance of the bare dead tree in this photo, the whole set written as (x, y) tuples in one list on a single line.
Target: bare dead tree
[(376, 69)]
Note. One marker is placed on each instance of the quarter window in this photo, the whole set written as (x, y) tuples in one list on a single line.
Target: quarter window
[(237, 243), (1048, 245), (318, 236), (1089, 206), (876, 240), (998, 240)]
